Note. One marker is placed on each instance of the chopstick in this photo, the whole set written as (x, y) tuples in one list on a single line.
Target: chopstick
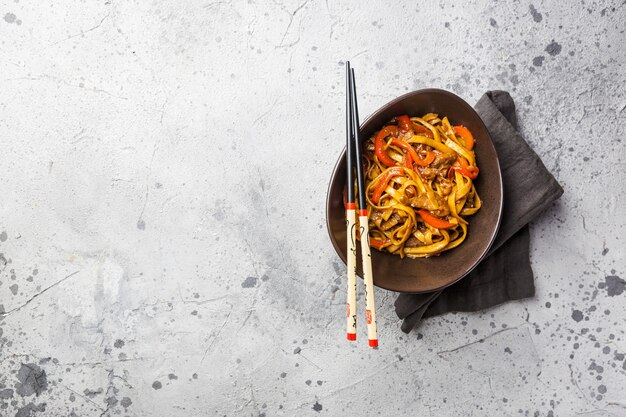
[(350, 212), (368, 277)]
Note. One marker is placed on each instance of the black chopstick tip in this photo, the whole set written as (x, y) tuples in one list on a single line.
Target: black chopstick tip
[(357, 142), (349, 136)]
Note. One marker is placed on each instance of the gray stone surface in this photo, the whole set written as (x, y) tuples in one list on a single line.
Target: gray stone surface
[(162, 242)]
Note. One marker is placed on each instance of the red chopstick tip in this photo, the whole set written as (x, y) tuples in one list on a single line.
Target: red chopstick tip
[(351, 336), (363, 212), (373, 343)]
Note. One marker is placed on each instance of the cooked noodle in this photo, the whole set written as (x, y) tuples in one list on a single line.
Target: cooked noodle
[(419, 174)]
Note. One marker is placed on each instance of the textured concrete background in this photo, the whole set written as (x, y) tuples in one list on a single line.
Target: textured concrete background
[(162, 241)]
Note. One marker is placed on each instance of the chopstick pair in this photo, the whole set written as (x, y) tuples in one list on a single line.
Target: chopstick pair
[(353, 158)]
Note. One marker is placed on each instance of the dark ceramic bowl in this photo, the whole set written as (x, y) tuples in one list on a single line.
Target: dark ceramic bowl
[(435, 273)]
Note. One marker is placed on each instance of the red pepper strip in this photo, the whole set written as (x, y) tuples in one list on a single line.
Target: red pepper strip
[(407, 147), (467, 136), (404, 123), (408, 161), (473, 172), (382, 183), (378, 243), (465, 165), (434, 221), (470, 172), (379, 145), (430, 157), (422, 130)]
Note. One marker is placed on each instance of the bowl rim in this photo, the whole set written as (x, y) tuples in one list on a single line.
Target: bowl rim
[(381, 109)]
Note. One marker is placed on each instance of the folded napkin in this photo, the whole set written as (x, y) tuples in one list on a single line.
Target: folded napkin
[(505, 273)]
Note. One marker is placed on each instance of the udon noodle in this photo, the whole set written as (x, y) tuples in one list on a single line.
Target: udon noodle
[(419, 174)]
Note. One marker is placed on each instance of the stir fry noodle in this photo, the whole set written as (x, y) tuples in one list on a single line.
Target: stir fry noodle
[(419, 174)]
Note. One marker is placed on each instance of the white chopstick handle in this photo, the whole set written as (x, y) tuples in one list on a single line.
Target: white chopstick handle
[(351, 267), (368, 278)]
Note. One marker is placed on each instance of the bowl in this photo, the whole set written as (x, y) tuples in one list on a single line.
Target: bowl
[(409, 275)]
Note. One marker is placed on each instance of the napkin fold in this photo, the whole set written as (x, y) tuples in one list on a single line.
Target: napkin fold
[(505, 274)]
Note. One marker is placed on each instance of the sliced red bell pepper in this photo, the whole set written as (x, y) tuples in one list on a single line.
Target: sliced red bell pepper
[(408, 161), (471, 175), (470, 172), (378, 243), (379, 145), (382, 183), (430, 157), (407, 147), (466, 135), (404, 123), (434, 221), (422, 130)]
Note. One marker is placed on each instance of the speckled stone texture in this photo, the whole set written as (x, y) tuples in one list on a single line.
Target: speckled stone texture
[(164, 166)]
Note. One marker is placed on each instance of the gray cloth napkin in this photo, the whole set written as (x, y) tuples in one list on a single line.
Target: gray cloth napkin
[(505, 274)]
